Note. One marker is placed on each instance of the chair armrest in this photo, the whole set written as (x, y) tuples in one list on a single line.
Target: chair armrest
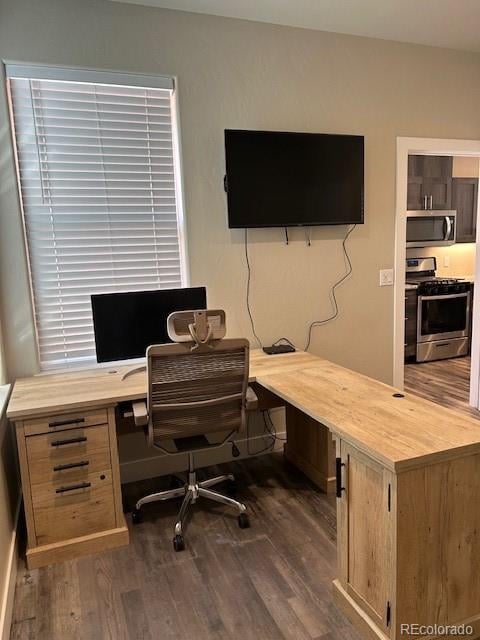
[(251, 400), (140, 414)]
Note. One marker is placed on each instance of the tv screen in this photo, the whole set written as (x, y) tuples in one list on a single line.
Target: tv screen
[(125, 324), (281, 179)]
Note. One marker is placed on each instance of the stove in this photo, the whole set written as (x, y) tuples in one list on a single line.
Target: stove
[(436, 286), (443, 311)]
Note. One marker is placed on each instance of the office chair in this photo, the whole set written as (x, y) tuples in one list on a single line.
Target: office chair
[(197, 388)]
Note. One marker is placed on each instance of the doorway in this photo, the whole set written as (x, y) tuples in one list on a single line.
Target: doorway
[(419, 365)]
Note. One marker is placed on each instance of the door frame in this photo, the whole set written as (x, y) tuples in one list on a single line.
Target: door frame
[(431, 147)]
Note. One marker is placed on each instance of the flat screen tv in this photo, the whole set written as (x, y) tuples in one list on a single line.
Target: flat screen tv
[(282, 179)]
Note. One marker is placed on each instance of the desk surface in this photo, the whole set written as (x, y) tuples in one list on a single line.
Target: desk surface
[(55, 393), (399, 432)]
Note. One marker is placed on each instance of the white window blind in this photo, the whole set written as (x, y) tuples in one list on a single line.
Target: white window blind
[(99, 187)]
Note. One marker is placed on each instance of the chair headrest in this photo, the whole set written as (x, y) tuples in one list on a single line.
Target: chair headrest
[(199, 326)]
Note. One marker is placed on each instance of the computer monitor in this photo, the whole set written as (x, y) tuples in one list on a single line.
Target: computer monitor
[(125, 324)]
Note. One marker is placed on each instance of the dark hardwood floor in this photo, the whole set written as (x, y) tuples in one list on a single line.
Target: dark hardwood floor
[(272, 581), (444, 381)]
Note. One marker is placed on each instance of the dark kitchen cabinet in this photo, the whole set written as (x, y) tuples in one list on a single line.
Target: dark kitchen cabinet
[(438, 192), (415, 195), (430, 166), (429, 182), (464, 201), (410, 323)]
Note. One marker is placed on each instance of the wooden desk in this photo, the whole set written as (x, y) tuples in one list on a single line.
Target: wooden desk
[(408, 477), (66, 434), (408, 521), (103, 387)]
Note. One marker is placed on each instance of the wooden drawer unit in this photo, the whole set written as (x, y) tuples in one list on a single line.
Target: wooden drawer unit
[(51, 424), (71, 485), (70, 509), (68, 455)]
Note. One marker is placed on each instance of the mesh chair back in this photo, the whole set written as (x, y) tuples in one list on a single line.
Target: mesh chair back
[(197, 392)]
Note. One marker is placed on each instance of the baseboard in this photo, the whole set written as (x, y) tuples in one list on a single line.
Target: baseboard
[(160, 465), (77, 547), (6, 609)]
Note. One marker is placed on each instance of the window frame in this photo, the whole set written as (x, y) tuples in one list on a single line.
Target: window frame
[(112, 77)]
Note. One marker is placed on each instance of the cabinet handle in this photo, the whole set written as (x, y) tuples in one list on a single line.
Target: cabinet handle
[(431, 201), (338, 468), (71, 465), (61, 443), (425, 202), (64, 423), (73, 487)]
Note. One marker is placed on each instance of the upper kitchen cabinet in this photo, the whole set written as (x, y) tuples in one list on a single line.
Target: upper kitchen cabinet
[(429, 182), (464, 200)]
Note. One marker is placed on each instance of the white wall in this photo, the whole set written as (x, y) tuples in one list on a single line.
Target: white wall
[(234, 73)]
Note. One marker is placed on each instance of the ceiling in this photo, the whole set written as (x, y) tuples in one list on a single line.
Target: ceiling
[(453, 24)]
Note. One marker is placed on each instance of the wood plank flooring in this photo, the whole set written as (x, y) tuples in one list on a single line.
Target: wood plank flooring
[(446, 382), (272, 581)]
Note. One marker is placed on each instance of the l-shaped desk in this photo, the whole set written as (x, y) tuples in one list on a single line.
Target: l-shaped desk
[(406, 473)]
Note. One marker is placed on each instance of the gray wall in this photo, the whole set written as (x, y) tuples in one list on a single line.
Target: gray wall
[(234, 73)]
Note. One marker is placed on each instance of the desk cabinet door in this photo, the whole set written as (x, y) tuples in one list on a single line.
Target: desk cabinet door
[(365, 532)]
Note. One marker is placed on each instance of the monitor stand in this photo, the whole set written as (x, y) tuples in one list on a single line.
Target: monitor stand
[(129, 373)]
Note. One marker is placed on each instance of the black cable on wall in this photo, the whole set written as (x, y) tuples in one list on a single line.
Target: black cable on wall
[(317, 323)]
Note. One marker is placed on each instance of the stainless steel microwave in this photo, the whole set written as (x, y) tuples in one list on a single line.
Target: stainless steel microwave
[(431, 228)]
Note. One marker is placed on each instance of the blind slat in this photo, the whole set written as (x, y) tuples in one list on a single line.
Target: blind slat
[(98, 185)]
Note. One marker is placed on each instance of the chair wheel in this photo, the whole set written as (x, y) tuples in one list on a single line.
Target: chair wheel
[(178, 543), (243, 521), (137, 516)]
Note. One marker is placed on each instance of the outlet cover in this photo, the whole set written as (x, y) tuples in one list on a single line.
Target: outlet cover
[(386, 277)]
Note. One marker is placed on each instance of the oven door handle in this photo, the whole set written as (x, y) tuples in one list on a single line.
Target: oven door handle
[(448, 222)]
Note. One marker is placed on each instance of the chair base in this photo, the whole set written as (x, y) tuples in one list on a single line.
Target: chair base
[(191, 492)]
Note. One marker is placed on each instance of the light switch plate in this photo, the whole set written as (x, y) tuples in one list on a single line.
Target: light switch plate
[(386, 277)]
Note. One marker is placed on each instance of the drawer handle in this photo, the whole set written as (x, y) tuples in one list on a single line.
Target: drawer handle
[(73, 487), (60, 443), (64, 423), (338, 468), (71, 465)]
